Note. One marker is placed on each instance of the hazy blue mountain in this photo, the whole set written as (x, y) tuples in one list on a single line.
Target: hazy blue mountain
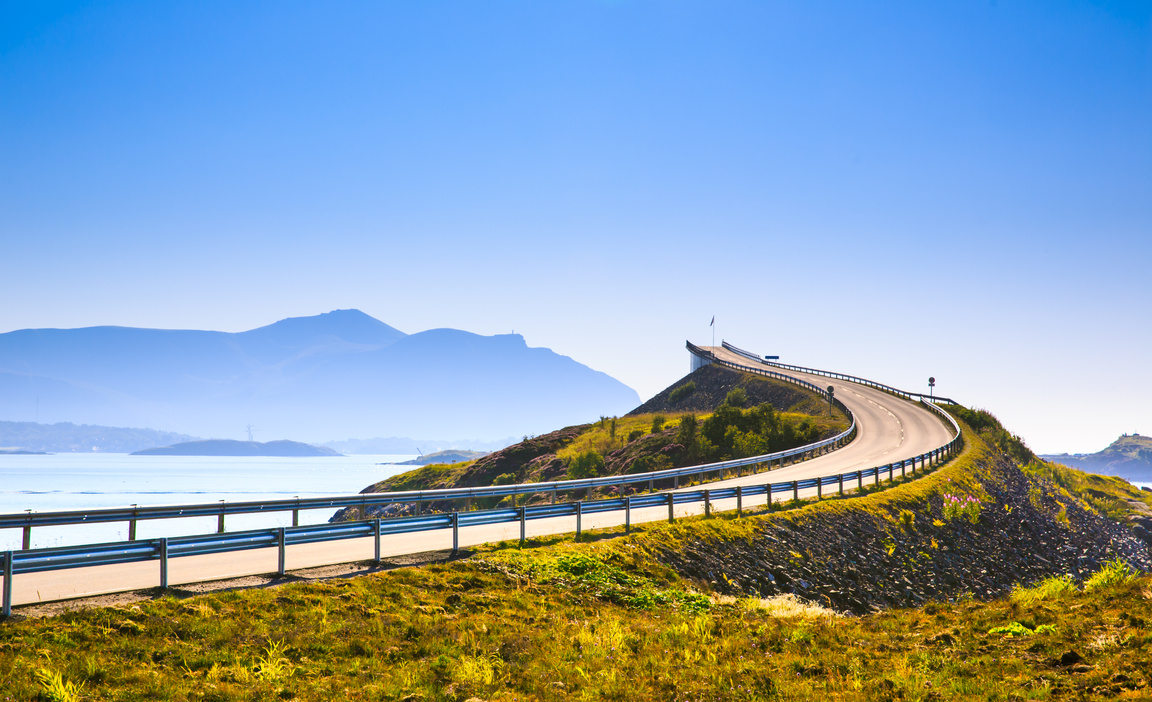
[(1129, 457), (231, 447), (66, 437), (335, 375)]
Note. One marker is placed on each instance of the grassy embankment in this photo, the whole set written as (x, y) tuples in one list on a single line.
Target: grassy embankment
[(607, 619)]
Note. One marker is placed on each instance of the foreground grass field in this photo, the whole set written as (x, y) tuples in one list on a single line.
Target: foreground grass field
[(563, 625)]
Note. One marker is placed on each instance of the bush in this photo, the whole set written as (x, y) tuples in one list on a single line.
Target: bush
[(635, 434), (658, 424), (683, 391), (587, 464), (736, 397)]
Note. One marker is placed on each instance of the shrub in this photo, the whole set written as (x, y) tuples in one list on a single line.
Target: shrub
[(736, 397), (683, 391), (635, 434), (587, 464), (658, 424)]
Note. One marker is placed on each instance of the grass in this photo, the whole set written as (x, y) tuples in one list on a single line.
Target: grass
[(545, 626)]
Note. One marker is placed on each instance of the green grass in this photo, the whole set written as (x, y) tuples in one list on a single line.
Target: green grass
[(547, 625)]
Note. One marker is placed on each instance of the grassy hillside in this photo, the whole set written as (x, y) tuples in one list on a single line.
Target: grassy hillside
[(738, 421), (655, 616)]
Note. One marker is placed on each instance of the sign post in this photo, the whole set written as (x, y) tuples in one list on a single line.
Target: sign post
[(931, 389)]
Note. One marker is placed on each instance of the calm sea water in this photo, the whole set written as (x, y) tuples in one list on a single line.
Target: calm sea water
[(87, 480)]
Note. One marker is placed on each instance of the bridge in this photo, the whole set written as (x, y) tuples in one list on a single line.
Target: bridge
[(892, 433)]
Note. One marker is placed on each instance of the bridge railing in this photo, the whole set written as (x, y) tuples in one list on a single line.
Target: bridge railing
[(840, 376), (26, 521), (13, 563)]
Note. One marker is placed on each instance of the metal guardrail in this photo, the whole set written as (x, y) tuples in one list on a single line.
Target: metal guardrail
[(41, 560), (830, 374), (27, 520)]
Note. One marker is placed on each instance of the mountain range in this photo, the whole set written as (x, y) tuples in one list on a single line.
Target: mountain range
[(1129, 457), (332, 376)]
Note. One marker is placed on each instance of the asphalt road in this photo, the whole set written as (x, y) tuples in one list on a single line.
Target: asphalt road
[(890, 429)]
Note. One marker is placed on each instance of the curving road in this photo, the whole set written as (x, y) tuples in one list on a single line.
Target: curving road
[(890, 429)]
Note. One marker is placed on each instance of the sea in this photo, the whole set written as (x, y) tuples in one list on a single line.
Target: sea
[(67, 481)]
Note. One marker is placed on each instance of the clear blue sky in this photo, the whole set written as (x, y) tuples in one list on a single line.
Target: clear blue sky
[(893, 189)]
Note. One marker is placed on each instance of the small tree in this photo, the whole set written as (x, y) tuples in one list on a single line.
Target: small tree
[(736, 397), (587, 464)]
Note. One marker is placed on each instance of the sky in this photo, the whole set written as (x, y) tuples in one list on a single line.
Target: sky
[(892, 189)]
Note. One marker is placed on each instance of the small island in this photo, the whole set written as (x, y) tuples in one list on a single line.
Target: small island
[(449, 456), (230, 447)]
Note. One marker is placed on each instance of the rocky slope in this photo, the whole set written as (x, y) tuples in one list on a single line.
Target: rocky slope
[(900, 548)]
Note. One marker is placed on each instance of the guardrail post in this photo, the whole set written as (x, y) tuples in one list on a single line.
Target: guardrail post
[(27, 541), (739, 500), (164, 564), (7, 606), (651, 486), (675, 481), (468, 504), (296, 517), (707, 504), (523, 524), (579, 514), (903, 473), (628, 515), (860, 480), (841, 477), (455, 532), (220, 519), (671, 513), (376, 534), (769, 489), (553, 495), (280, 545), (795, 490), (819, 488), (876, 476), (132, 525)]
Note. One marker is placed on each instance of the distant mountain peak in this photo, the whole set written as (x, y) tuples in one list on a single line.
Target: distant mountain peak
[(346, 325)]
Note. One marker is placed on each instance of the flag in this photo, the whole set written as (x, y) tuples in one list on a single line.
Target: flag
[(713, 322)]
